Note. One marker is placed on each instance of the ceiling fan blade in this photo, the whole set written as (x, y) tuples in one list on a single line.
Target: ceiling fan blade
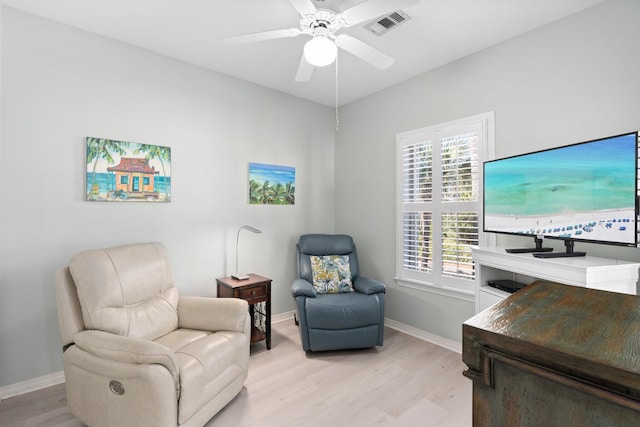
[(304, 70), (372, 9), (304, 7), (265, 35), (364, 51)]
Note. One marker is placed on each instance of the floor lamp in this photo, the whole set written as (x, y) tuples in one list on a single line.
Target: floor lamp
[(238, 276)]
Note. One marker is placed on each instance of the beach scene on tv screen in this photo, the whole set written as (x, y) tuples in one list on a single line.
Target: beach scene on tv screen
[(584, 191)]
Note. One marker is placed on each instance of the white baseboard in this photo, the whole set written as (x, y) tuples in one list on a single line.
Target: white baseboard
[(424, 335), (283, 317), (31, 385)]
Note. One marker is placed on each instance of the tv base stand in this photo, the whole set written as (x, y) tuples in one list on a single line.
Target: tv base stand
[(538, 248), (559, 254), (527, 250), (569, 252)]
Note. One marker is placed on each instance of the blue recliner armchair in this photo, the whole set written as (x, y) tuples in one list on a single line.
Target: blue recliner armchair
[(335, 321)]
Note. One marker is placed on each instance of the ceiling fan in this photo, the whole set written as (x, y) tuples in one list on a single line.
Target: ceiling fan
[(323, 25)]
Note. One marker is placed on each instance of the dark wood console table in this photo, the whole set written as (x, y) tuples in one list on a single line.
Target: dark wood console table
[(555, 355), (256, 290)]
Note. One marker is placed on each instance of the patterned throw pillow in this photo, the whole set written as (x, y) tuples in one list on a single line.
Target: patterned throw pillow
[(331, 274)]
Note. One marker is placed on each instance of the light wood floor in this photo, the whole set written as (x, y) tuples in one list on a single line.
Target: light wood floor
[(407, 382)]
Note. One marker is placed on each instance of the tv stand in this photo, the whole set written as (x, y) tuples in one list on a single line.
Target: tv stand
[(493, 263), (538, 248), (569, 252)]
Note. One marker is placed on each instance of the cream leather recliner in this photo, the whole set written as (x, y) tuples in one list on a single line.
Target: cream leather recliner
[(137, 354)]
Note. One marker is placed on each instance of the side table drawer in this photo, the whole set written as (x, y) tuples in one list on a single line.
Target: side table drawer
[(253, 293)]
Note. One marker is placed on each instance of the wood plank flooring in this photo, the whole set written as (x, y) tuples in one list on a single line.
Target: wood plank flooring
[(407, 382)]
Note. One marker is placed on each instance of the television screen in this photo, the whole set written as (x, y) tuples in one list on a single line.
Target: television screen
[(584, 191)]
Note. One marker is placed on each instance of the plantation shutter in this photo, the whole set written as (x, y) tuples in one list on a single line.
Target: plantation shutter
[(439, 204), (460, 173)]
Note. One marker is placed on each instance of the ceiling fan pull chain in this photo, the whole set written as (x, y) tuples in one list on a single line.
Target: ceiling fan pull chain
[(337, 115)]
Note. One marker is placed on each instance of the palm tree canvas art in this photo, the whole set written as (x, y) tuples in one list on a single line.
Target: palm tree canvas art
[(271, 184), (127, 171)]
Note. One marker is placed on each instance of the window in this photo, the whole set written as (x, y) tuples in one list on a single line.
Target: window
[(439, 202)]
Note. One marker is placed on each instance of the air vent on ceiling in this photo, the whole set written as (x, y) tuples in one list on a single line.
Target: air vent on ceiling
[(388, 22)]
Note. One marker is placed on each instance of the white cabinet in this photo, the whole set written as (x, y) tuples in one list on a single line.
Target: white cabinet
[(493, 263)]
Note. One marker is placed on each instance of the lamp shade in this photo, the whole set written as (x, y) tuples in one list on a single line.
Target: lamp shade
[(320, 51)]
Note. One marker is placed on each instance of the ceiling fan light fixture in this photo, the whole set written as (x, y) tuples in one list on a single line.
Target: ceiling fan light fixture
[(320, 51)]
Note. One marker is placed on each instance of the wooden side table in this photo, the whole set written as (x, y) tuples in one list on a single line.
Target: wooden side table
[(256, 290)]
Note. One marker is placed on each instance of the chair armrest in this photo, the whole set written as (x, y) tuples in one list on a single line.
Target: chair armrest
[(212, 314), (368, 286), (123, 349), (301, 287)]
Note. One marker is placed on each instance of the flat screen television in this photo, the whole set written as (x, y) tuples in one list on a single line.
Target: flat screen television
[(580, 192)]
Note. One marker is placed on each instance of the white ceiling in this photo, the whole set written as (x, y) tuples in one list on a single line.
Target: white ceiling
[(439, 32)]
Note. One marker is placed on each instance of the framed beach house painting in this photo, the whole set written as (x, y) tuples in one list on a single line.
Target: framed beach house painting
[(271, 184), (127, 171)]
